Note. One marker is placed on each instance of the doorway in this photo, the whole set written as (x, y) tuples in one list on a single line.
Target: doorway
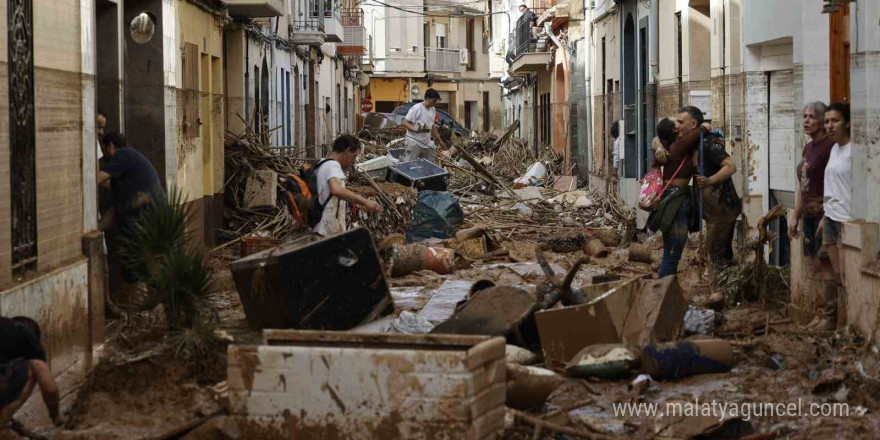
[(470, 115), (629, 97), (486, 112), (108, 81)]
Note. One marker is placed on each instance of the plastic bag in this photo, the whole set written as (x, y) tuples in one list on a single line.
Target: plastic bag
[(699, 321), (409, 322), (436, 215)]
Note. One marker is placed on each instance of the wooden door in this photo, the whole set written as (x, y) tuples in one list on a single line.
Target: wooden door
[(839, 56)]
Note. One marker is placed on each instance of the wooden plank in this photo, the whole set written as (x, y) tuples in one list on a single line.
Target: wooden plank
[(304, 337)]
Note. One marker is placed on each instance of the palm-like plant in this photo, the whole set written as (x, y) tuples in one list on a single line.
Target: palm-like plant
[(155, 233), (158, 251)]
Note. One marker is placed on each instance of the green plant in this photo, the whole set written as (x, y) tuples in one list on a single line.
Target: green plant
[(156, 248), (159, 229)]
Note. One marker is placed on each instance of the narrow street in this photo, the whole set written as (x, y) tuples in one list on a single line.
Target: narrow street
[(440, 219)]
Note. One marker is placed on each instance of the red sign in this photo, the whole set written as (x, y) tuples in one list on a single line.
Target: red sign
[(366, 105)]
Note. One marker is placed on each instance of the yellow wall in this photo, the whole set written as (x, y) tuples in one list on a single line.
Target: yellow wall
[(200, 159), (396, 89)]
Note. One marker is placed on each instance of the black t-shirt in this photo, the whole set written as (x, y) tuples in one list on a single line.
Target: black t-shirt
[(713, 156), (17, 342), (134, 182)]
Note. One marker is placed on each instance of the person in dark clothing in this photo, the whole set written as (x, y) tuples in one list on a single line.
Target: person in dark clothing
[(721, 203), (671, 217), (23, 366), (811, 180), (134, 184), (530, 16)]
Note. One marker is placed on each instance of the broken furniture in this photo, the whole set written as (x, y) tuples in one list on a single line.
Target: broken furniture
[(334, 283), (377, 167), (304, 384), (510, 311)]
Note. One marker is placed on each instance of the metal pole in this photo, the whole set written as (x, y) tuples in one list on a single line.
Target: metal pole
[(700, 195)]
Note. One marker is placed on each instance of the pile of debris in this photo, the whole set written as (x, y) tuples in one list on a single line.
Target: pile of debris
[(256, 208)]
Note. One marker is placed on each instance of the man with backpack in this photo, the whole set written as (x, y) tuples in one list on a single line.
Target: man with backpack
[(331, 192), (721, 203)]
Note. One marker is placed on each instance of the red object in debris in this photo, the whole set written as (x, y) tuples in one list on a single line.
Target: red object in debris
[(366, 105)]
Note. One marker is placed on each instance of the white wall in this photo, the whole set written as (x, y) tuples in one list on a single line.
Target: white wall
[(395, 34), (765, 21), (865, 94)]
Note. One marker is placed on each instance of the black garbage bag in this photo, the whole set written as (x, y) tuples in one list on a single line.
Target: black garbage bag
[(436, 215)]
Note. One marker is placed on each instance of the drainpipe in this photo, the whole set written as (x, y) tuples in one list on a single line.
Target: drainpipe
[(588, 73), (653, 50)]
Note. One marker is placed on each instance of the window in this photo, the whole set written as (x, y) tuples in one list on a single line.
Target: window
[(486, 36), (471, 65), (190, 90), (256, 116), (545, 119), (441, 35), (22, 136)]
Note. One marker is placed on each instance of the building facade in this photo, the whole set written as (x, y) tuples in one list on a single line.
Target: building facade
[(48, 158), (446, 50), (751, 66)]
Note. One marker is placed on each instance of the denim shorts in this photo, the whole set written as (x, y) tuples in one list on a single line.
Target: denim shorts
[(812, 243), (830, 232)]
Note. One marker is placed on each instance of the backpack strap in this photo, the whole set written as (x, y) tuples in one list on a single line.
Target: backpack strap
[(690, 157), (315, 170)]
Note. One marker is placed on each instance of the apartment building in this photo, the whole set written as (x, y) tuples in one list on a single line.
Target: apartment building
[(418, 45), (545, 76)]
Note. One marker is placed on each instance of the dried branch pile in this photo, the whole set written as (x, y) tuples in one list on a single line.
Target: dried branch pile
[(246, 154)]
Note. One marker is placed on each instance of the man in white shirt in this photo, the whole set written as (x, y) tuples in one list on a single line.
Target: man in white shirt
[(420, 124), (331, 187)]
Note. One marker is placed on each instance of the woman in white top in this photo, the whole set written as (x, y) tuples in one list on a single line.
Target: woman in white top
[(838, 195), (838, 189)]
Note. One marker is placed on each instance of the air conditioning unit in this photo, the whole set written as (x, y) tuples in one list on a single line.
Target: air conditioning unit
[(463, 56)]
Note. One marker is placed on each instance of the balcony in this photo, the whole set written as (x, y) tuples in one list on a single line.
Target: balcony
[(367, 58), (527, 52), (316, 28), (333, 27), (355, 38), (442, 60), (255, 8)]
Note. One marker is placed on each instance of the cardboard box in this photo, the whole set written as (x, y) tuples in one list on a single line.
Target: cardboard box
[(565, 331), (656, 314), (618, 297)]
